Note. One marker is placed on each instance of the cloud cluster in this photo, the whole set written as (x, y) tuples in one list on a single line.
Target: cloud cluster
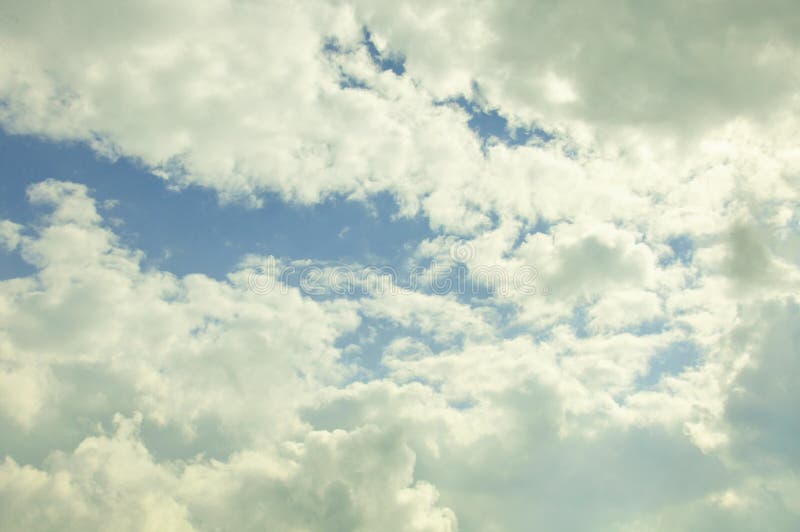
[(647, 384), (232, 409), (245, 98), (320, 483), (682, 65)]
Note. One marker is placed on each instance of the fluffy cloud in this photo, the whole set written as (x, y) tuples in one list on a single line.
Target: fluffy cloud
[(213, 97), (681, 65), (648, 174), (211, 366), (94, 317), (329, 481), (269, 120), (235, 409)]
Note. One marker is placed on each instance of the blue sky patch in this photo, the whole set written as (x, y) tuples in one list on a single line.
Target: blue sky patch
[(672, 360), (190, 231)]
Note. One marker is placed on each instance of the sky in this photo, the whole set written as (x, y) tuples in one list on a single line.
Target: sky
[(403, 266)]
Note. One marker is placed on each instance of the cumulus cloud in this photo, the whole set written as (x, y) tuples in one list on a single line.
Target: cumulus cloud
[(246, 98), (647, 178), (681, 65), (321, 483), (93, 315), (231, 408)]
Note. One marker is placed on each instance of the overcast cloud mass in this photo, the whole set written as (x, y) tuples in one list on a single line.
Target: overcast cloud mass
[(400, 266)]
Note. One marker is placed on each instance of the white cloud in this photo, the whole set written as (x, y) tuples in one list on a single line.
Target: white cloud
[(246, 98), (331, 480), (252, 382), (677, 65), (623, 308), (10, 234), (91, 305), (506, 412)]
